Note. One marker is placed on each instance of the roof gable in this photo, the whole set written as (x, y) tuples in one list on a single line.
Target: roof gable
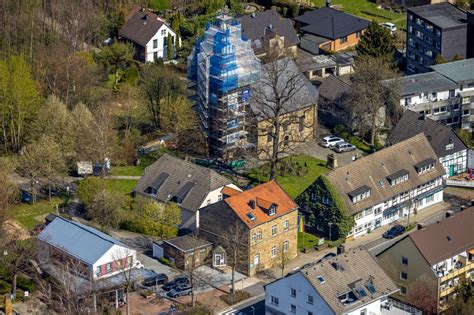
[(78, 240), (255, 202), (447, 238), (442, 138), (331, 23), (372, 171), (180, 181), (141, 27)]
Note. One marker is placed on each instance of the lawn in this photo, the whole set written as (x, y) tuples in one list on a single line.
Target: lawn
[(367, 10), (293, 184), (124, 186), (127, 170), (27, 214), (306, 240)]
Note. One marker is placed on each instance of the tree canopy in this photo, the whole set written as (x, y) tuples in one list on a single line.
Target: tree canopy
[(376, 41)]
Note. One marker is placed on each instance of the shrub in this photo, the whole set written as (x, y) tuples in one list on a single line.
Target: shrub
[(238, 297), (25, 284), (166, 262)]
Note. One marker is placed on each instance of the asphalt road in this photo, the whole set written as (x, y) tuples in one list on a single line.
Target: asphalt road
[(258, 308)]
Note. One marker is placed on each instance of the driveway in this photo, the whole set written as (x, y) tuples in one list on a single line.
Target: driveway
[(312, 148)]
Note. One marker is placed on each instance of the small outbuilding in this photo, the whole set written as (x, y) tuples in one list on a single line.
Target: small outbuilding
[(184, 250)]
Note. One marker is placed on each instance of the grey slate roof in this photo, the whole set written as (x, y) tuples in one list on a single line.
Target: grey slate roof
[(187, 243), (443, 15), (423, 82), (184, 179), (78, 240), (333, 87), (306, 95), (357, 269), (141, 27), (372, 169), (331, 23), (438, 134), (254, 26), (461, 71)]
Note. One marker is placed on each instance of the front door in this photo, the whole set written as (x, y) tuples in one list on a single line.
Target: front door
[(219, 260), (378, 223), (451, 170)]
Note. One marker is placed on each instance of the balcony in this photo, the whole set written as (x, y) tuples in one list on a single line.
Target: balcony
[(456, 272)]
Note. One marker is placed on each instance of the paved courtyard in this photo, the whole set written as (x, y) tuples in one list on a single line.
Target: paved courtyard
[(312, 148)]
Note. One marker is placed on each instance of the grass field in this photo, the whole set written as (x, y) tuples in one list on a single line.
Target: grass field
[(306, 240), (124, 186), (367, 10), (293, 184), (27, 214), (127, 170)]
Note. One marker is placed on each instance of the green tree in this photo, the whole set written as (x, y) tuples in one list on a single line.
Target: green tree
[(326, 204), (178, 118), (439, 59), (19, 102), (88, 189), (158, 5), (376, 41), (161, 219), (463, 303), (466, 136), (105, 208), (117, 59), (8, 191)]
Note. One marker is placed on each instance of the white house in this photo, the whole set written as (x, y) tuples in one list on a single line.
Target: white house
[(95, 255), (149, 35), (349, 283)]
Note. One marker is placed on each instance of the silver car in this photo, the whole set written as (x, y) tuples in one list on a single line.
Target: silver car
[(344, 147), (330, 141)]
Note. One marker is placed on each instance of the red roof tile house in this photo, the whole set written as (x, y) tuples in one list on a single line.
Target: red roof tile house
[(266, 220)]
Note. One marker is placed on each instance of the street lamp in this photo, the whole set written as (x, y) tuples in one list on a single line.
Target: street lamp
[(330, 225), (253, 309)]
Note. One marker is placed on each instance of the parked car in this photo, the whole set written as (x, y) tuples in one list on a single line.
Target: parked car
[(390, 26), (181, 290), (344, 147), (394, 231), (331, 141), (175, 283), (160, 278)]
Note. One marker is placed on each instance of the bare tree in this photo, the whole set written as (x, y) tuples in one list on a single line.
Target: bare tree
[(284, 105), (373, 103), (233, 242), (424, 296), (121, 257), (8, 192), (283, 257)]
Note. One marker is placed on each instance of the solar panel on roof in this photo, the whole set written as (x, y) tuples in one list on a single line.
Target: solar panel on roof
[(251, 216)]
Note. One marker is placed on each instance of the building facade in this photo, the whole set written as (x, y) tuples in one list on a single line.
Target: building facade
[(451, 150), (428, 264), (149, 35), (432, 30), (445, 94), (187, 252), (223, 67), (350, 283), (266, 219), (377, 189)]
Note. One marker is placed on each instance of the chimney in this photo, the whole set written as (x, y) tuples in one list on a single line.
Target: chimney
[(331, 161), (341, 249), (420, 226), (328, 3), (252, 204)]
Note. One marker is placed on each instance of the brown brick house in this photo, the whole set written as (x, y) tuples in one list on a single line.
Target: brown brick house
[(268, 219), (329, 29), (181, 251)]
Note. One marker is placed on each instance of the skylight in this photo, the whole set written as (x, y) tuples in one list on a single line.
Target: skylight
[(251, 216), (361, 292), (370, 286), (321, 279)]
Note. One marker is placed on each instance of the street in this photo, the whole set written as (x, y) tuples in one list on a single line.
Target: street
[(252, 306)]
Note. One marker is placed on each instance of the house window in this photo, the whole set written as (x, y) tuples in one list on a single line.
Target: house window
[(98, 271), (363, 312), (429, 198), (155, 56), (274, 251), (163, 32), (259, 235), (272, 210), (286, 141), (343, 40), (269, 134), (357, 34), (313, 196), (109, 267), (293, 308), (301, 123), (254, 238), (256, 259), (403, 275), (286, 246), (377, 211), (274, 300), (325, 200), (309, 299), (219, 197), (465, 112), (155, 43), (293, 292), (274, 230), (403, 290), (286, 225)]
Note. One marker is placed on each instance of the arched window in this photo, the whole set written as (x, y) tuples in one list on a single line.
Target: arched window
[(286, 141), (301, 123)]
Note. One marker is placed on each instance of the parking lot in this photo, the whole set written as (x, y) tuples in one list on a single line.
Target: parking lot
[(314, 149)]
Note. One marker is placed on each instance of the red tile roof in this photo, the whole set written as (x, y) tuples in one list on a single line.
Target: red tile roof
[(229, 191), (263, 195)]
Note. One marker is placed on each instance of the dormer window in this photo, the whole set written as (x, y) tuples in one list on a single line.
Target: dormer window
[(360, 194), (425, 166), (398, 177), (151, 191), (272, 210)]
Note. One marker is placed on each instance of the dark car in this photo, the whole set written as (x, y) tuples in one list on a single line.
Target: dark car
[(394, 231), (175, 282), (160, 278), (180, 290)]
